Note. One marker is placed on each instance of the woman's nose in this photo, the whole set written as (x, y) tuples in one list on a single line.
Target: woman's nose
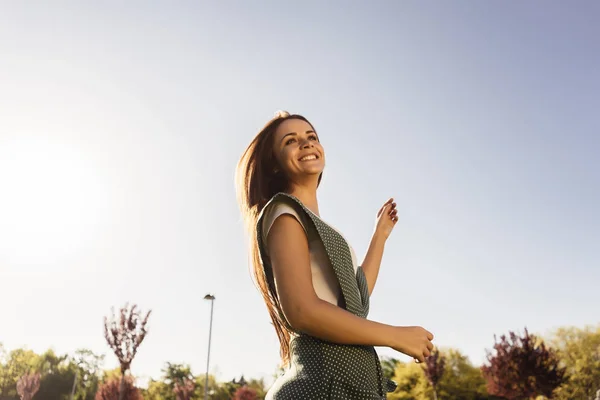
[(305, 144)]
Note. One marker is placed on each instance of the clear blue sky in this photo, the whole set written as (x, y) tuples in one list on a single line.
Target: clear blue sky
[(121, 124)]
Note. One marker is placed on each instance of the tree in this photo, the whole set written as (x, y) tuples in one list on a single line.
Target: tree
[(522, 367), (388, 365), (110, 374), (157, 390), (223, 391), (173, 376), (58, 375), (245, 393), (213, 386), (461, 380), (13, 365), (3, 361), (412, 384), (122, 388), (579, 352), (434, 370), (218, 390), (28, 385), (259, 386), (124, 336), (87, 367), (184, 388)]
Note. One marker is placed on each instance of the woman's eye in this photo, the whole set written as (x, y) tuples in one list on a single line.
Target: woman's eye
[(313, 137), (290, 141)]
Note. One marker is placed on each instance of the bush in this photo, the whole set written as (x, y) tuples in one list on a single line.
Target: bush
[(110, 390)]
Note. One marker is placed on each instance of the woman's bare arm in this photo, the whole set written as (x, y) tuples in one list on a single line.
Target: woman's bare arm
[(289, 255), (373, 258)]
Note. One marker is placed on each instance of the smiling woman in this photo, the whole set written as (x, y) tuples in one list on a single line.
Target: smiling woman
[(51, 201), (316, 292)]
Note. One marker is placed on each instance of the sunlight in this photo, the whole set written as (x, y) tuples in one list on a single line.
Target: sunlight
[(51, 201)]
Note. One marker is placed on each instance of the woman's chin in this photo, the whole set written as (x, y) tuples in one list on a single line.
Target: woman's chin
[(309, 174), (312, 172)]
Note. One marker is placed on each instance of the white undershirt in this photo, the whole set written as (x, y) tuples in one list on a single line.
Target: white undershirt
[(324, 280)]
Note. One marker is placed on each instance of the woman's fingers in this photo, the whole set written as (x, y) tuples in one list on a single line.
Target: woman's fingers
[(383, 207)]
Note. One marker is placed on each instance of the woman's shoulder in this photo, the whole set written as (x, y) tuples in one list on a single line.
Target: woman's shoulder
[(280, 201), (278, 205), (275, 209), (283, 197)]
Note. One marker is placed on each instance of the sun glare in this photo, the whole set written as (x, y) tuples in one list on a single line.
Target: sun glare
[(51, 201)]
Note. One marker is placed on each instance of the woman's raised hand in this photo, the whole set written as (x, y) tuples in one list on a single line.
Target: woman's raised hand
[(387, 217)]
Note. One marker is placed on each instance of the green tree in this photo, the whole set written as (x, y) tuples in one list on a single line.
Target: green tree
[(164, 388), (579, 352), (87, 367), (461, 380), (412, 384), (388, 365), (110, 374), (213, 386), (223, 391), (58, 373), (57, 376), (157, 390), (13, 365)]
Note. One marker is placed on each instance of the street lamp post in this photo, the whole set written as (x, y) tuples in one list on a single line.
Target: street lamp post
[(74, 384), (212, 303)]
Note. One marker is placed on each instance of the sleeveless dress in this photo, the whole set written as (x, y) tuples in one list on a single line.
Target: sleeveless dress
[(324, 281), (320, 369)]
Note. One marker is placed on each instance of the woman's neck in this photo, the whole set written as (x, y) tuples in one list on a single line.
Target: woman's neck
[(308, 197)]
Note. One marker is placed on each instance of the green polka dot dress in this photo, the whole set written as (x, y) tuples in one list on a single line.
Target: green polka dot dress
[(320, 369)]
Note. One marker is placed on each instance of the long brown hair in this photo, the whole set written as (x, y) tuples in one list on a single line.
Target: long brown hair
[(258, 179)]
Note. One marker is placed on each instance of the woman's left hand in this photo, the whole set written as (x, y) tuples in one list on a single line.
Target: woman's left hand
[(387, 217)]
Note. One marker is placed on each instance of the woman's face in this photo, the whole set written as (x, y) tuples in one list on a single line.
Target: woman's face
[(297, 149)]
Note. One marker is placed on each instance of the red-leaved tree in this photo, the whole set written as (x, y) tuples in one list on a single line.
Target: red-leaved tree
[(434, 369), (28, 385), (245, 393), (184, 389), (113, 389), (522, 368), (124, 336)]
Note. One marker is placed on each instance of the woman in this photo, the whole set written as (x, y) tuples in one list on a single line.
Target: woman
[(316, 293)]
